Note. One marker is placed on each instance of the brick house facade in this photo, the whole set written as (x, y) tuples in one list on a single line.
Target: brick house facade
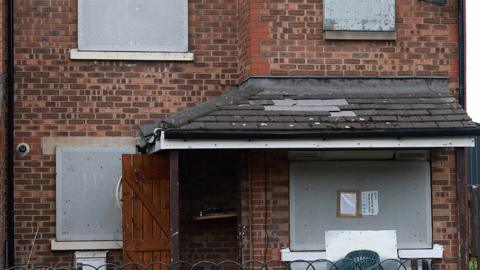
[(231, 40)]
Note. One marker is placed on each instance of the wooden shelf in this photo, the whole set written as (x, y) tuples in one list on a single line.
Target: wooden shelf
[(216, 216)]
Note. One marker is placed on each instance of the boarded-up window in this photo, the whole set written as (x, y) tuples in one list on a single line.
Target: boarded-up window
[(87, 178), (359, 19), (359, 15), (402, 188), (133, 25)]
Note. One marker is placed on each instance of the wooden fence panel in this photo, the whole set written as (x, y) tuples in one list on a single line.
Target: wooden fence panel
[(146, 209)]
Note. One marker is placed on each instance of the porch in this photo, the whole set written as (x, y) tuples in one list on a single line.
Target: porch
[(311, 160), (253, 205)]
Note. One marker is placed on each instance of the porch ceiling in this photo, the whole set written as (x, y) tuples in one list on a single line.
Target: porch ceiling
[(272, 108)]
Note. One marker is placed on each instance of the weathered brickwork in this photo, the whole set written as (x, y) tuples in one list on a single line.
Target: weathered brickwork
[(3, 126), (59, 97), (231, 40), (265, 205), (444, 207), (426, 42)]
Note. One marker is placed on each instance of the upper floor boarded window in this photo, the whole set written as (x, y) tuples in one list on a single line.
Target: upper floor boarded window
[(133, 25), (359, 19)]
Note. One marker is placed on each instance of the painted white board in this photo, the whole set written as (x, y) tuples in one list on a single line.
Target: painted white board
[(340, 243), (404, 200), (86, 185)]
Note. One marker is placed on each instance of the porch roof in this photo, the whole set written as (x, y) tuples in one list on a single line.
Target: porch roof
[(269, 108)]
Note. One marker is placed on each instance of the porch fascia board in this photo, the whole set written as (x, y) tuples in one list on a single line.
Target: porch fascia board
[(434, 253), (350, 143)]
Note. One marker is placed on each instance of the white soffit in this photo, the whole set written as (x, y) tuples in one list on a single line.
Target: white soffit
[(440, 142)]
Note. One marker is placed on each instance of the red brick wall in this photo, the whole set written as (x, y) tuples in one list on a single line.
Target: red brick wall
[(287, 36), (59, 97), (2, 127), (265, 204), (444, 208), (265, 186)]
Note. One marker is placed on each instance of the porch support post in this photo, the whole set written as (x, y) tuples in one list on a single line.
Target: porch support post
[(462, 209), (174, 206)]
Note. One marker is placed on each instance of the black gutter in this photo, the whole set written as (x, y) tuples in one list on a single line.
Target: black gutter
[(319, 134), (461, 52), (9, 245), (308, 77)]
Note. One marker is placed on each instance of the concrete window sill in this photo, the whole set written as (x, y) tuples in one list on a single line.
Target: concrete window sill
[(360, 35), (434, 253), (76, 54), (85, 245)]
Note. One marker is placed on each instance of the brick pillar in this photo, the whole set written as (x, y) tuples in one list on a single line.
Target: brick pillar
[(265, 208), (253, 32), (444, 207)]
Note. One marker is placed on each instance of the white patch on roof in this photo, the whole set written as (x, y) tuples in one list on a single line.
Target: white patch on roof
[(307, 105), (343, 114)]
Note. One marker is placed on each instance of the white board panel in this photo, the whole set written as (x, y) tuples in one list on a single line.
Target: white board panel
[(86, 183), (359, 15), (404, 200), (133, 25), (340, 243)]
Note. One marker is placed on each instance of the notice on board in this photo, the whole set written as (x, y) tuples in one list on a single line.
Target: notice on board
[(370, 203)]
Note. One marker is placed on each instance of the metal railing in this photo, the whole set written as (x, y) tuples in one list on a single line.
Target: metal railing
[(344, 264)]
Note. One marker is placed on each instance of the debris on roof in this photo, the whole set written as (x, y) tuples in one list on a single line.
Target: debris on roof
[(341, 105)]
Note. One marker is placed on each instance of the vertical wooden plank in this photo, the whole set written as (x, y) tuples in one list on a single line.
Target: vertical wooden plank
[(156, 230), (127, 215), (147, 184), (138, 206), (174, 206)]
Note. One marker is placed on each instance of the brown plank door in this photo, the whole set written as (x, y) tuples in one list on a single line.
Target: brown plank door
[(146, 209)]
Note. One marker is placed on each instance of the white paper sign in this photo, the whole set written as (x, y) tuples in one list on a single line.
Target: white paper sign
[(370, 203)]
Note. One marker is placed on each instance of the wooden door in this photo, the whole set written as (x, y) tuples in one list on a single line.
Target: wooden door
[(146, 209)]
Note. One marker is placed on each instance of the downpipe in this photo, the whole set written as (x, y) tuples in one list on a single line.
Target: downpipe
[(9, 243)]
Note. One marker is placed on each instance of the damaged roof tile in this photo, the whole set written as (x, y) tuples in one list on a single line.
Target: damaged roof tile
[(326, 105)]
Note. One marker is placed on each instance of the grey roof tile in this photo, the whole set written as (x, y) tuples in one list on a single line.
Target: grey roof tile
[(384, 118), (337, 105)]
